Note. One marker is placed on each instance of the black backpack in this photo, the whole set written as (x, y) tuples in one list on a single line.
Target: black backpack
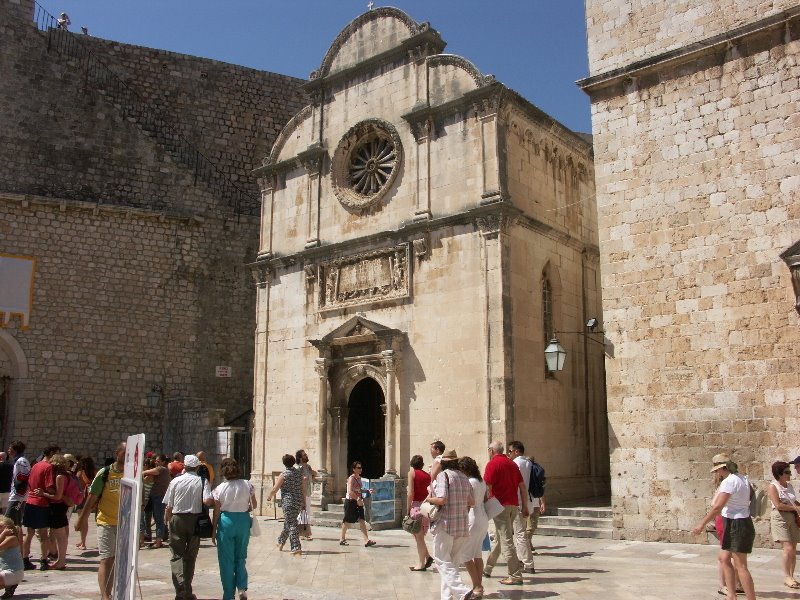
[(537, 480)]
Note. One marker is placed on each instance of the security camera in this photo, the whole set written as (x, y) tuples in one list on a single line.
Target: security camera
[(591, 324)]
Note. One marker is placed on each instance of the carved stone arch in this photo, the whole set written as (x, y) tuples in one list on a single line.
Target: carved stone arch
[(11, 348), (347, 380)]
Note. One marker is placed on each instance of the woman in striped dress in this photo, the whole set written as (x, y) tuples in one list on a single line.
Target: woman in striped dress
[(290, 483)]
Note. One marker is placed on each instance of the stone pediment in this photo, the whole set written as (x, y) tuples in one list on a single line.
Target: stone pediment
[(379, 35), (358, 330)]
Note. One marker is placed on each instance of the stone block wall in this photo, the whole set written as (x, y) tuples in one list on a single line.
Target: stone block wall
[(140, 266), (621, 33), (68, 140), (698, 194), (124, 300)]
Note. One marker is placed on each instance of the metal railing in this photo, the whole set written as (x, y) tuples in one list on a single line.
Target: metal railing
[(133, 106)]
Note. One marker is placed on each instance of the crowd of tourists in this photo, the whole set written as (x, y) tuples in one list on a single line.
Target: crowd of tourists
[(450, 499), (39, 496), (732, 508), (455, 503)]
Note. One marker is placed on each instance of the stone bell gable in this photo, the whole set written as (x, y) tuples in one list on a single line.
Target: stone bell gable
[(425, 204)]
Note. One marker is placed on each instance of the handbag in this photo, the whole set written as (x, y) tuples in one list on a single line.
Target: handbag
[(255, 527), (493, 507), (203, 527), (412, 525), (433, 511)]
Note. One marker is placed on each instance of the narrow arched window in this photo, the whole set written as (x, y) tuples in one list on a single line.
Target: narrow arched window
[(547, 316)]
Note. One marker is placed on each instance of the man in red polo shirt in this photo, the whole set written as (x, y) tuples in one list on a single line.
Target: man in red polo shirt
[(504, 480)]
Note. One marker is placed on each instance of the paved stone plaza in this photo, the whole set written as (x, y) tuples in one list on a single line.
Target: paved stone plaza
[(567, 568)]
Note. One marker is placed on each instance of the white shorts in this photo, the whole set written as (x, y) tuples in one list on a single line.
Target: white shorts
[(12, 577)]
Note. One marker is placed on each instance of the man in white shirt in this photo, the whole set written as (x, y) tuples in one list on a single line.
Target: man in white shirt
[(184, 501), (733, 501)]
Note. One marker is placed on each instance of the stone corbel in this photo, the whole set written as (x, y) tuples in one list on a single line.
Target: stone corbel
[(311, 159), (493, 224), (420, 248), (310, 273), (262, 274)]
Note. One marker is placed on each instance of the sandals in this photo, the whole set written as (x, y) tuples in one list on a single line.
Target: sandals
[(370, 543), (511, 581), (343, 543), (791, 584), (429, 562), (417, 568)]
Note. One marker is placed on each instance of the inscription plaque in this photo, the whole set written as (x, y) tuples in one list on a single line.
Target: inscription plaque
[(363, 278)]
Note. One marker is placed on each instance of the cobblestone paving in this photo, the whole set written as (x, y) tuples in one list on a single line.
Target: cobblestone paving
[(567, 569)]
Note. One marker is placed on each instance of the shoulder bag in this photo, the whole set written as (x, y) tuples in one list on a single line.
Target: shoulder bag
[(433, 511), (203, 527)]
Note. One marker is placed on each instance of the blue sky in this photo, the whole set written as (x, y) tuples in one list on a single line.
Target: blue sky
[(536, 47)]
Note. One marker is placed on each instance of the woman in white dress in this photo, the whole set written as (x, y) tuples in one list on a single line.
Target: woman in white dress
[(472, 551)]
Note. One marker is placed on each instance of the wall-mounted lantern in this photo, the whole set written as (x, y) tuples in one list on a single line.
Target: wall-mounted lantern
[(791, 256)]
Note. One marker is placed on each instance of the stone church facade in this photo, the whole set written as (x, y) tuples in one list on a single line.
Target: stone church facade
[(696, 137), (425, 231), (126, 179)]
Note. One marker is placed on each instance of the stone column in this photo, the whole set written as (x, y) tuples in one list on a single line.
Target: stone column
[(259, 475), (422, 134), (389, 364), (322, 417)]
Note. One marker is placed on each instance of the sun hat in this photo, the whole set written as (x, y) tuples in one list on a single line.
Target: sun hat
[(190, 461), (450, 455)]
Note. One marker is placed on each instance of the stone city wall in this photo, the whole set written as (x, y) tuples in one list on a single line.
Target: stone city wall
[(123, 300), (141, 276), (698, 194)]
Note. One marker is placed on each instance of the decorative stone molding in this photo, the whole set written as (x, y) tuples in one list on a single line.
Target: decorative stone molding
[(365, 164), (363, 278), (271, 164), (451, 59)]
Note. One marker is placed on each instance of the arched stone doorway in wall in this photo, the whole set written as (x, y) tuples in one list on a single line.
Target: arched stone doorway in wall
[(366, 428), (13, 381)]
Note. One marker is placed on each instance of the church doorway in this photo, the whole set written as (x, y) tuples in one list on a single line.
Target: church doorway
[(366, 429)]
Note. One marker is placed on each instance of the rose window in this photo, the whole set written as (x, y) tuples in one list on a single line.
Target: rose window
[(365, 164)]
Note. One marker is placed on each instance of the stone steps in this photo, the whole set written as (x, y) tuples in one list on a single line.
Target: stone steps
[(578, 521)]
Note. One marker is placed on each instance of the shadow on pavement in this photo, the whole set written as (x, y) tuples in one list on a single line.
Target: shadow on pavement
[(568, 554), (540, 571)]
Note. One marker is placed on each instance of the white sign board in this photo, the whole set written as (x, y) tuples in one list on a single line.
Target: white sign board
[(130, 511), (223, 371)]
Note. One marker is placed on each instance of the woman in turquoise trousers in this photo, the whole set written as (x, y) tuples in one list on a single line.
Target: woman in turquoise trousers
[(233, 500)]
